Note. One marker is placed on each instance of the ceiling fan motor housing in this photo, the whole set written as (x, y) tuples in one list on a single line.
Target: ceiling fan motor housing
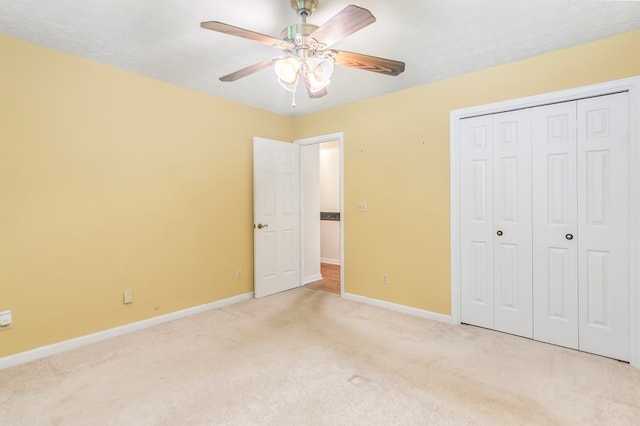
[(303, 46), (294, 31)]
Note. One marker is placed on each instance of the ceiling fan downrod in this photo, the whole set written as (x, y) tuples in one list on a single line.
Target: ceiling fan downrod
[(304, 8)]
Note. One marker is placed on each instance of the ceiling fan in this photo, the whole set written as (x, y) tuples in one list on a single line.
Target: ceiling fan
[(306, 47)]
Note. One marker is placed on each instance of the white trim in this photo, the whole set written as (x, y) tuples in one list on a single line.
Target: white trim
[(632, 85), (310, 279), (330, 261), (455, 217), (56, 348), (551, 97), (399, 308), (320, 139), (634, 223), (330, 138)]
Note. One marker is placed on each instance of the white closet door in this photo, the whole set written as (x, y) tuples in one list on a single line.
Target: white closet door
[(476, 216), (555, 225), (512, 222), (603, 234)]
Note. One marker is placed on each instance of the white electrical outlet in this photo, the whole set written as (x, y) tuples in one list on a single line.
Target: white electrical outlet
[(5, 319), (362, 206), (238, 273), (385, 278), (127, 297)]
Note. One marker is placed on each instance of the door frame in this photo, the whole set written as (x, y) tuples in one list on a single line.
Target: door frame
[(630, 85), (315, 140)]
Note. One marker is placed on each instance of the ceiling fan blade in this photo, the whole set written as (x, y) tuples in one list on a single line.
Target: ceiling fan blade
[(313, 95), (369, 63), (247, 71), (316, 95), (348, 21), (241, 32)]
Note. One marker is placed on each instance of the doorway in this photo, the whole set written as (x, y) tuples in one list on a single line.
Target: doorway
[(330, 281), (322, 221)]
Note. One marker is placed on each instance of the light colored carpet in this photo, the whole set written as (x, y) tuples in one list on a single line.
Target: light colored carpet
[(308, 357)]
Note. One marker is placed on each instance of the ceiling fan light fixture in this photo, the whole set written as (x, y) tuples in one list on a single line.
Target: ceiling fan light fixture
[(315, 86), (319, 71), (287, 69), (290, 86), (321, 68)]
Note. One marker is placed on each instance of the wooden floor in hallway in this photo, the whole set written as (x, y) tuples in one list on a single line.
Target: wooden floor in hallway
[(330, 279)]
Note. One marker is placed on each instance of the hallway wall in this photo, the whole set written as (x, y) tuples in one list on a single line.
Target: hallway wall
[(330, 201)]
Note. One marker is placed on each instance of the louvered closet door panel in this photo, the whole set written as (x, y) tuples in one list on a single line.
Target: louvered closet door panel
[(603, 235), (555, 225), (512, 219), (476, 212)]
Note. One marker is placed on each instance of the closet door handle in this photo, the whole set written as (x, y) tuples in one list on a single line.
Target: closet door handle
[(499, 233), (569, 237)]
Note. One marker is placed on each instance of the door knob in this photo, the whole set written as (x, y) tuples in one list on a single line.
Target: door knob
[(499, 233), (569, 237), (260, 226)]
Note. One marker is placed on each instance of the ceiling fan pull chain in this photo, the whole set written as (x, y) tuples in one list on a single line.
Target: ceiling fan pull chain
[(293, 99)]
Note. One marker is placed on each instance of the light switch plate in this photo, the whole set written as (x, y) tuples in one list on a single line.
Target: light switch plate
[(5, 318)]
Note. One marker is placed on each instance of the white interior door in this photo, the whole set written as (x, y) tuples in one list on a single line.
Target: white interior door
[(555, 224), (603, 234), (584, 188), (476, 221), (276, 215), (512, 222)]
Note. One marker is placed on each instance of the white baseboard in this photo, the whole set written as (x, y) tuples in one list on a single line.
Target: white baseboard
[(330, 261), (55, 348), (400, 308), (310, 279)]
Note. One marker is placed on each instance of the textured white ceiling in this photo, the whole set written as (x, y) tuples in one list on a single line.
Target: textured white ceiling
[(436, 38)]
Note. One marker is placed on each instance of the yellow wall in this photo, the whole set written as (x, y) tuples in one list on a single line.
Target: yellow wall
[(112, 181), (397, 160)]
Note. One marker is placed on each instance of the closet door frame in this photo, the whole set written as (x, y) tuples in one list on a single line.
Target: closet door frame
[(630, 85)]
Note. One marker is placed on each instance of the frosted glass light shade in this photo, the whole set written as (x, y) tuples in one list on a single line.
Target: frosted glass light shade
[(321, 68), (319, 75), (287, 69), (289, 86)]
